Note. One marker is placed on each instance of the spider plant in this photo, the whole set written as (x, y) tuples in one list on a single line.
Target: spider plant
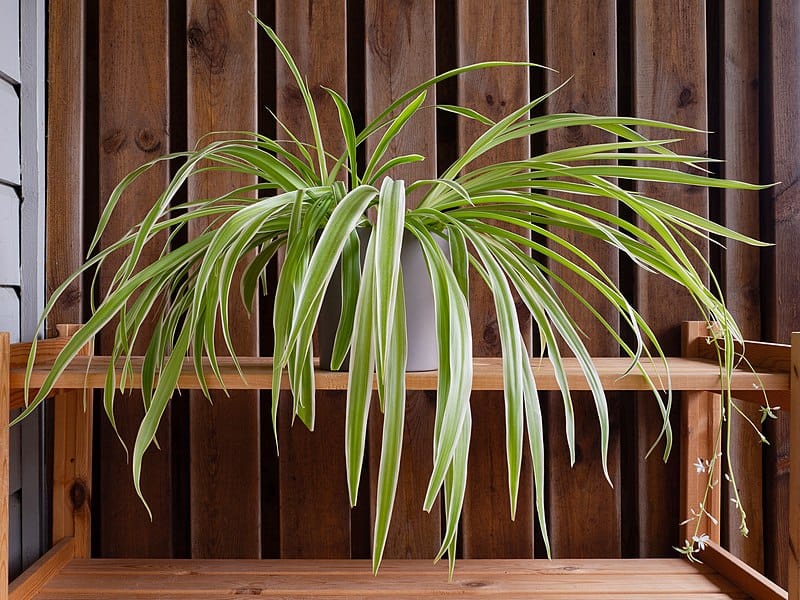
[(309, 204)]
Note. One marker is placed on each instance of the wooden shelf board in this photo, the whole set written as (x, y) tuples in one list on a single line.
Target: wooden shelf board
[(149, 578), (686, 374)]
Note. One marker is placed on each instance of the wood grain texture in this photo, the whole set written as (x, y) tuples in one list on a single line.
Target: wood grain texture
[(669, 45), (32, 580), (65, 143), (742, 575), (72, 464), (793, 558), (581, 43), (781, 30), (700, 441), (224, 435), (65, 165), (614, 374), (134, 128), (488, 531), (739, 74), (406, 579), (5, 355), (401, 53), (315, 512)]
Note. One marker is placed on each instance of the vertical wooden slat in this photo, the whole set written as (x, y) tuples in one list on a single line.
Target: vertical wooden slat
[(72, 463), (64, 220), (781, 30), (401, 53), (581, 42), (315, 512), (669, 84), (5, 391), (741, 266), (700, 419), (224, 436), (134, 128), (487, 527), (793, 559)]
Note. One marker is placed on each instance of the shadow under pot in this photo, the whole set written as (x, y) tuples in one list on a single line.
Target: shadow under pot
[(420, 314)]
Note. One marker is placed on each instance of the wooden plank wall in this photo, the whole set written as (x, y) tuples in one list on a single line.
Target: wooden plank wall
[(133, 128), (668, 77), (581, 42), (221, 96), (724, 66), (314, 507), (487, 526), (400, 52)]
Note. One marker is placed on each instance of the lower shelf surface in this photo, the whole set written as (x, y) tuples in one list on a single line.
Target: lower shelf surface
[(663, 579)]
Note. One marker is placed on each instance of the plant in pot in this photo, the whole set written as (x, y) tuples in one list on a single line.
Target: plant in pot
[(314, 208)]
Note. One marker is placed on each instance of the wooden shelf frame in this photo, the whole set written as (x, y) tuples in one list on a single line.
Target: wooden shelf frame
[(774, 370)]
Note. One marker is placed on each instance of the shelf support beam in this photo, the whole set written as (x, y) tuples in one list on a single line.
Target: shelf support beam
[(72, 462), (700, 423)]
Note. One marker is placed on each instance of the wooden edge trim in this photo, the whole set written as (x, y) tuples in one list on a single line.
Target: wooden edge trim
[(43, 570), (46, 349), (761, 355), (742, 575), (793, 569)]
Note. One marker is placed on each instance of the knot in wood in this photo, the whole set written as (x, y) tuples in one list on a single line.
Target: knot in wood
[(686, 97), (248, 591), (210, 43), (72, 296), (147, 141), (114, 141), (78, 494), (196, 36)]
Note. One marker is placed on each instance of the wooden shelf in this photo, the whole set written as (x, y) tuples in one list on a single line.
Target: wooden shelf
[(65, 573), (511, 579), (686, 374)]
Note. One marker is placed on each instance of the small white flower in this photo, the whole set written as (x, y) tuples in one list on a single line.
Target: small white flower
[(700, 465), (701, 540)]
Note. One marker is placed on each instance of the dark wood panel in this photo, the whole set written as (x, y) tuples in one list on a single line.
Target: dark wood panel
[(738, 124), (134, 128), (65, 177), (315, 511), (581, 42), (669, 72), (401, 53), (781, 29), (488, 530), (225, 434)]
